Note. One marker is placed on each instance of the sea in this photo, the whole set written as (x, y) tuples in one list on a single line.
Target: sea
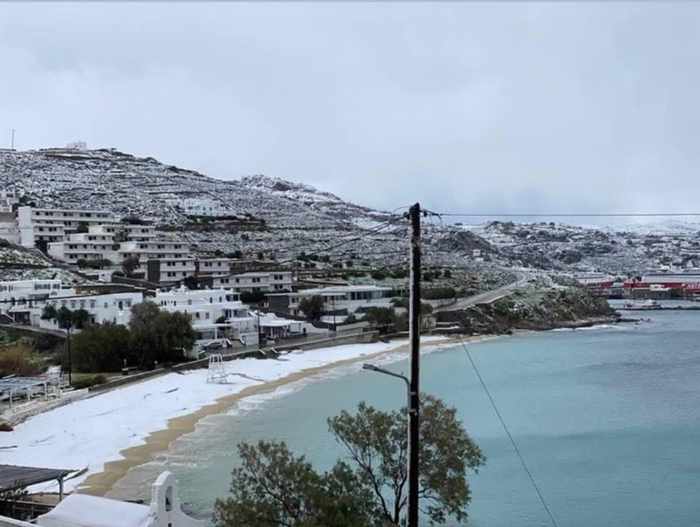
[(606, 418)]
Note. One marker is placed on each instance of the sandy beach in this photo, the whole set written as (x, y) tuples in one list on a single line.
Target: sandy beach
[(126, 427)]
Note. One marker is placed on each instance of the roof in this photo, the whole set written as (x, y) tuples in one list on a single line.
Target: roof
[(343, 289), (15, 477), (82, 510)]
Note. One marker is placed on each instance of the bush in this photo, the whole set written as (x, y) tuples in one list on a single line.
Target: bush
[(18, 359), (378, 275), (87, 382), (312, 307), (439, 292), (102, 347), (99, 263), (400, 273), (252, 297)]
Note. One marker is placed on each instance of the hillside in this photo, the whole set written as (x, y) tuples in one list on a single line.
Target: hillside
[(283, 219), (129, 185)]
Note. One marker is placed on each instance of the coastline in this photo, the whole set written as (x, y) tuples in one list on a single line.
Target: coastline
[(101, 483)]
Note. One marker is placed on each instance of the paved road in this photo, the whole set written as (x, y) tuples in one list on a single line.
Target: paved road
[(488, 297)]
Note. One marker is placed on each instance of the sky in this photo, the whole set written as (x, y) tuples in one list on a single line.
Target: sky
[(502, 107)]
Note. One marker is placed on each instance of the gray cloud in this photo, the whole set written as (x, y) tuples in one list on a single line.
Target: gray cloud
[(502, 107)]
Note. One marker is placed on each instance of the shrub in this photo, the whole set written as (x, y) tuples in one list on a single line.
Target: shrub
[(87, 382), (252, 297), (378, 275), (18, 359), (312, 307), (102, 347), (439, 292)]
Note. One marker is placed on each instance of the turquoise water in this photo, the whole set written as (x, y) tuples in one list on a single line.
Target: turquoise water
[(608, 420)]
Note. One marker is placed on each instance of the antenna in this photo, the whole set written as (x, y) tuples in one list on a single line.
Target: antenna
[(12, 141)]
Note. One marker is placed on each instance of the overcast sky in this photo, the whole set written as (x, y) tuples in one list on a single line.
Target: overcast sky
[(505, 107)]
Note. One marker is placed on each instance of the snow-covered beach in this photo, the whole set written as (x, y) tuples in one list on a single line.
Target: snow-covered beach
[(93, 432)]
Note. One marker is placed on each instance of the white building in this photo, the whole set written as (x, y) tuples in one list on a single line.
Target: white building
[(8, 200), (51, 225), (25, 291), (216, 314), (339, 300), (168, 270), (274, 327), (201, 207), (266, 282), (214, 266), (110, 307), (8, 221)]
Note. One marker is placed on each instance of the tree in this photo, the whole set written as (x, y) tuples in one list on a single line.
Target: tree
[(252, 297), (274, 488), (159, 336), (49, 312), (190, 282), (130, 264), (312, 307), (378, 274), (384, 318), (102, 347), (67, 320)]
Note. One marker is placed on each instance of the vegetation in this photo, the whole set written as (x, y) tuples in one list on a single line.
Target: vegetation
[(159, 336), (190, 282), (273, 487), (439, 292), (133, 220), (87, 382), (130, 264), (153, 336), (383, 318), (312, 307), (102, 347), (252, 297), (379, 274), (99, 263), (19, 359), (65, 318)]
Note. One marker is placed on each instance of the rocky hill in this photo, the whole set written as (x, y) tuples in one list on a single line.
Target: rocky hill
[(108, 179), (283, 219)]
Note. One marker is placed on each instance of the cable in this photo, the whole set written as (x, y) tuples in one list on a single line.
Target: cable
[(568, 215), (374, 230), (510, 436)]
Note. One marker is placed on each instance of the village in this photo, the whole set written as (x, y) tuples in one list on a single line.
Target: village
[(83, 288)]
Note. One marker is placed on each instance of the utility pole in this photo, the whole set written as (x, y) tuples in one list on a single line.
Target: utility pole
[(12, 140), (414, 388), (70, 359)]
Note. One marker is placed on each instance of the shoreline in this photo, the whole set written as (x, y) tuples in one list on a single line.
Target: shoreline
[(101, 483)]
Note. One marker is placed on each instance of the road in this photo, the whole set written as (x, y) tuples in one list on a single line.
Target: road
[(488, 297)]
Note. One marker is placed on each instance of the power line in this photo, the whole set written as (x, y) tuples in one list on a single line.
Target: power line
[(567, 215), (510, 436), (375, 230)]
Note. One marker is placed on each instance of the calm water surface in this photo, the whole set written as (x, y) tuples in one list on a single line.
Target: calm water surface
[(608, 420)]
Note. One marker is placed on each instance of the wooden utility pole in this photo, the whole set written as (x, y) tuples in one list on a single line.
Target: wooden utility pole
[(414, 388)]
